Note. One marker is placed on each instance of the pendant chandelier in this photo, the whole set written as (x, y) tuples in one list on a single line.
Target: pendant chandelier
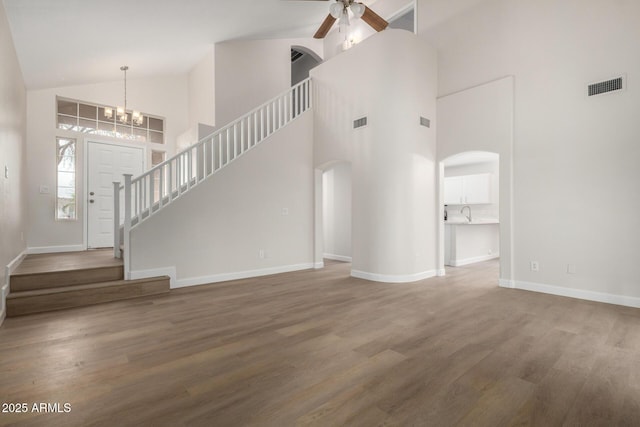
[(121, 112)]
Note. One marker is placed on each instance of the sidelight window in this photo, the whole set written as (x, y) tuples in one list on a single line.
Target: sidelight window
[(66, 179)]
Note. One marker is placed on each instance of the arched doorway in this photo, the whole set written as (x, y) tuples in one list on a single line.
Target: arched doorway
[(471, 208), (303, 60)]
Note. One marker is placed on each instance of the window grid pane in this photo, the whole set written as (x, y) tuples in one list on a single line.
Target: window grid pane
[(90, 118)]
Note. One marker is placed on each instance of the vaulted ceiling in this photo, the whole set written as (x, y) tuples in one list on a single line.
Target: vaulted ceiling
[(69, 42), (72, 42)]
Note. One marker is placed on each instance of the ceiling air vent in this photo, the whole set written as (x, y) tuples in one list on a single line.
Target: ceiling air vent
[(425, 122), (295, 55), (607, 86), (359, 123)]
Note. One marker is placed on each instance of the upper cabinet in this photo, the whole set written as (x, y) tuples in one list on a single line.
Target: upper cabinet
[(467, 189)]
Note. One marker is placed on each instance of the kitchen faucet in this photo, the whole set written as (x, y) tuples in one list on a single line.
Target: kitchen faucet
[(468, 216)]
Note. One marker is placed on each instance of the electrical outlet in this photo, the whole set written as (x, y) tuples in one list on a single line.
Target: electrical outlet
[(535, 266), (44, 189), (285, 211), (262, 254), (571, 269)]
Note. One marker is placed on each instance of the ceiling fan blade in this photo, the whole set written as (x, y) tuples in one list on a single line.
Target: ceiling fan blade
[(374, 20), (324, 27)]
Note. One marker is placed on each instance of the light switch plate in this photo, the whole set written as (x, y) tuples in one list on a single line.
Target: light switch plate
[(44, 189)]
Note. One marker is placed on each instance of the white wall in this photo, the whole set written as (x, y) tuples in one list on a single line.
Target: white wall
[(336, 212), (163, 96), (13, 210), (202, 109), (393, 158), (251, 72), (215, 231), (575, 158)]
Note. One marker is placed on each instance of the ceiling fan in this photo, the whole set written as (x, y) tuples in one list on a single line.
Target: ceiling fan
[(340, 11)]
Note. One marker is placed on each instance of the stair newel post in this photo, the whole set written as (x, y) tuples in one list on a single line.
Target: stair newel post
[(127, 226), (116, 220)]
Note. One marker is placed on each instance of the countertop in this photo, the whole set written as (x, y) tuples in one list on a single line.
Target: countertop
[(474, 222)]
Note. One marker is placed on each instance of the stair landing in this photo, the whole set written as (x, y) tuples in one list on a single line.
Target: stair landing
[(47, 282)]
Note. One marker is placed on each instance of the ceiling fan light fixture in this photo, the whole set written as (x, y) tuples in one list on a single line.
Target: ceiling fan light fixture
[(336, 10), (357, 9)]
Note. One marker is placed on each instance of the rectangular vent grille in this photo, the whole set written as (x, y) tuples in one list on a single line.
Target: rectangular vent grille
[(361, 122), (604, 87), (425, 122)]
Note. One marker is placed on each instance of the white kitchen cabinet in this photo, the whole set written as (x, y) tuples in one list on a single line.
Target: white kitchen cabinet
[(467, 189), (453, 193)]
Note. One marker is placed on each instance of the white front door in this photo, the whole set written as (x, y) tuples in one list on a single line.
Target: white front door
[(106, 163)]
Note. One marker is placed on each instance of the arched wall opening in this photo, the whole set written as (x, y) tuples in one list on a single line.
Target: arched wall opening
[(303, 60), (471, 187), (481, 119), (333, 216)]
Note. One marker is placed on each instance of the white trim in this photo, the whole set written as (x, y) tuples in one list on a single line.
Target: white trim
[(441, 272), (389, 278), (337, 257), (155, 272), (4, 291), (318, 265), (55, 249), (506, 283), (472, 260), (578, 293), (224, 277)]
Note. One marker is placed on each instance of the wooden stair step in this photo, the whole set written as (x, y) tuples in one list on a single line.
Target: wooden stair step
[(50, 299), (65, 278)]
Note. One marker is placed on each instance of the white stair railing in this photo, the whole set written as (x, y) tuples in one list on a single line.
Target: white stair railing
[(149, 193)]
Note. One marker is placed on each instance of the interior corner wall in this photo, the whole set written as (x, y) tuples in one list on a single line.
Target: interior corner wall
[(251, 72), (13, 207), (576, 157), (202, 109), (163, 96), (217, 231)]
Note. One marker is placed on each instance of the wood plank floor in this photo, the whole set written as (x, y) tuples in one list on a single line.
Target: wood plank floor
[(321, 348), (45, 263)]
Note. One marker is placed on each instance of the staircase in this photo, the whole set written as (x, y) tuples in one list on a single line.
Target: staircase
[(51, 282), (139, 198)]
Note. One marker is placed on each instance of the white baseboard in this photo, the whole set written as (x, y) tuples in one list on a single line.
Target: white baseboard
[(155, 272), (55, 249), (467, 261), (318, 265), (506, 283), (389, 278), (337, 257), (578, 293), (3, 302), (225, 277), (4, 289)]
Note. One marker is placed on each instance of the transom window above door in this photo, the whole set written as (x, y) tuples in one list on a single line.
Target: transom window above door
[(80, 116)]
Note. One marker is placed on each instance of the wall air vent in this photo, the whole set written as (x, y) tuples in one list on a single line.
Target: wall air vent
[(607, 86), (425, 122), (359, 123)]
